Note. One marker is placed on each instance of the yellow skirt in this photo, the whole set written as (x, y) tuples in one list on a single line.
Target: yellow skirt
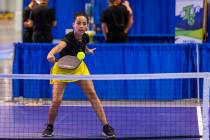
[(81, 70)]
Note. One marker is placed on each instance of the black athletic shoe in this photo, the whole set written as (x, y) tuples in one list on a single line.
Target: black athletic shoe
[(108, 131), (48, 132)]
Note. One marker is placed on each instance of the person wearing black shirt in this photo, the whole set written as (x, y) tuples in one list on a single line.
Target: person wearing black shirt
[(116, 21), (42, 19), (28, 31), (72, 43)]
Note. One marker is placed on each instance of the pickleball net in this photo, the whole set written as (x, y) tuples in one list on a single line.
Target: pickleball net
[(138, 106)]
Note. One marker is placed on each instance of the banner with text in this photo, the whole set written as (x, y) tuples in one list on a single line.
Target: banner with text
[(189, 21)]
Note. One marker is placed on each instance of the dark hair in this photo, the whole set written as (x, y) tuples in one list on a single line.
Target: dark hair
[(81, 14)]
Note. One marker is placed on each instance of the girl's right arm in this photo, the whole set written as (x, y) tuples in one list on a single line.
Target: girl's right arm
[(55, 50)]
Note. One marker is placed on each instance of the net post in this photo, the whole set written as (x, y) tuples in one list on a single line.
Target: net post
[(198, 70), (206, 88)]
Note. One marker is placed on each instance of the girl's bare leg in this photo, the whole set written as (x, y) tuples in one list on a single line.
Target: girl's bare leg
[(58, 89), (88, 89)]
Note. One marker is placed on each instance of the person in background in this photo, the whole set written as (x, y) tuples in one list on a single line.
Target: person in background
[(116, 21), (28, 30), (42, 20)]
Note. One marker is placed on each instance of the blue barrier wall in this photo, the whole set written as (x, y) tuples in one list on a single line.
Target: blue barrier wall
[(117, 59), (140, 38)]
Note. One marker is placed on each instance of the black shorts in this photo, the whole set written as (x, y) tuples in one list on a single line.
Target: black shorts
[(42, 37), (27, 36), (117, 38)]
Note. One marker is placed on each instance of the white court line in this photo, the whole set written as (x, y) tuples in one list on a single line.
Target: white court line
[(200, 121), (104, 104)]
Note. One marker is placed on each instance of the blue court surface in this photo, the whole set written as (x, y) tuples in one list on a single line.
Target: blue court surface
[(81, 122)]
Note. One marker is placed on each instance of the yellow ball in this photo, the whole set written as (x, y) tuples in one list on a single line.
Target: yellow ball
[(80, 55)]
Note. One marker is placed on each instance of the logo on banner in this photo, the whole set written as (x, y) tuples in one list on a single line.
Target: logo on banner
[(189, 12)]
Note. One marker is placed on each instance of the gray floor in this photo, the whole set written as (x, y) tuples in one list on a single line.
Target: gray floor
[(8, 36)]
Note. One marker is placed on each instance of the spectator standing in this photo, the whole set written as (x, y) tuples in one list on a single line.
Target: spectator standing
[(42, 19), (116, 21), (28, 30)]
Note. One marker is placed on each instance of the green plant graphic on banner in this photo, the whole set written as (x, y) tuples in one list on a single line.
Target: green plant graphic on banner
[(189, 14)]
